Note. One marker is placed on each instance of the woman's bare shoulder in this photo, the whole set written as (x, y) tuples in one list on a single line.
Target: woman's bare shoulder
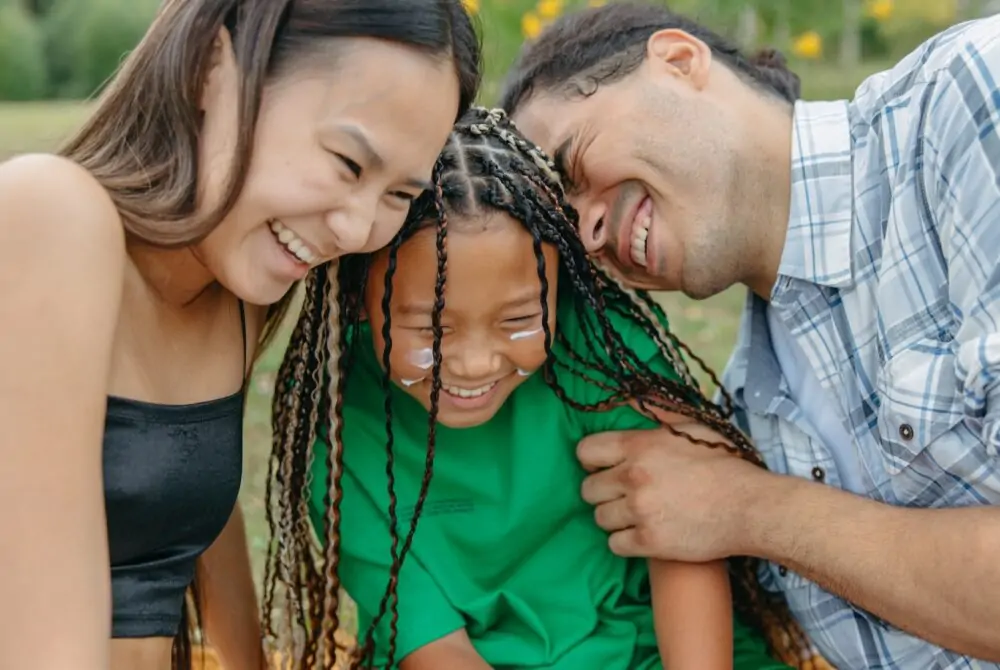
[(54, 201)]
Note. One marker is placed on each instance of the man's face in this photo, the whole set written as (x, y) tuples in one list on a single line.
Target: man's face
[(649, 166)]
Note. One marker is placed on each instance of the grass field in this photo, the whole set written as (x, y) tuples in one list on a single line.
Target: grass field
[(709, 327)]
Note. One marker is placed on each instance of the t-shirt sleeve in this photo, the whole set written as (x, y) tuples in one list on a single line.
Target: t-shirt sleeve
[(590, 391), (425, 614)]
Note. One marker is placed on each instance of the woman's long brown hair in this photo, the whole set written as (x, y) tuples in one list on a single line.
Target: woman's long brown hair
[(142, 140)]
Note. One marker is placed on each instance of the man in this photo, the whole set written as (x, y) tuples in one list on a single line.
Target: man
[(868, 364)]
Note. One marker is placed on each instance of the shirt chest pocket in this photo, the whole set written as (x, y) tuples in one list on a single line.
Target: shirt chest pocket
[(920, 427)]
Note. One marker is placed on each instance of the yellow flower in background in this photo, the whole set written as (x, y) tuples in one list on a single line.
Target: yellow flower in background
[(880, 10), (531, 25), (471, 6), (549, 9), (808, 45)]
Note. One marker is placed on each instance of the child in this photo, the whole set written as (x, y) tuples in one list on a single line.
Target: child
[(483, 345)]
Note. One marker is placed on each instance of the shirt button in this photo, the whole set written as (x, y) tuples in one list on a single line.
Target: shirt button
[(783, 571), (906, 432), (818, 474)]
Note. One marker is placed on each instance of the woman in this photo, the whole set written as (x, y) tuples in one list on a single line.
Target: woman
[(242, 143)]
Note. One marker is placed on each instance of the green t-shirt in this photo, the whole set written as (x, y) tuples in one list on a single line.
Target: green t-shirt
[(504, 546)]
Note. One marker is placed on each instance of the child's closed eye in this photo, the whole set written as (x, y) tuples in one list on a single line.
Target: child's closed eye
[(522, 320)]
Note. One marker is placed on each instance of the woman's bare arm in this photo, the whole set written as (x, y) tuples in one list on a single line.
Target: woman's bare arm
[(227, 599), (693, 611), (62, 259), (451, 652)]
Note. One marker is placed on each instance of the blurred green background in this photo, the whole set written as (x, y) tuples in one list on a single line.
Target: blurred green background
[(55, 54)]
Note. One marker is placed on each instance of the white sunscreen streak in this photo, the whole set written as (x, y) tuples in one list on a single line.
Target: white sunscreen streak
[(523, 373), (421, 358), (524, 334), (410, 382)]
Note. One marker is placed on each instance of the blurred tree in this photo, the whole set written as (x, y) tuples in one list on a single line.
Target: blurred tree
[(850, 36), (86, 41), (22, 54)]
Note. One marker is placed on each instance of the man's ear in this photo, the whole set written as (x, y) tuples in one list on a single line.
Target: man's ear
[(681, 55)]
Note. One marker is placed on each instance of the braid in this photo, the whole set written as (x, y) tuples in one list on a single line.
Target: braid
[(311, 375), (335, 370)]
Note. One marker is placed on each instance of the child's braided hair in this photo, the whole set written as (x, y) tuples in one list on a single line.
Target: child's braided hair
[(487, 166)]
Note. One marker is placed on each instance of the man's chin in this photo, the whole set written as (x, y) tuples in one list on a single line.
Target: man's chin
[(635, 279)]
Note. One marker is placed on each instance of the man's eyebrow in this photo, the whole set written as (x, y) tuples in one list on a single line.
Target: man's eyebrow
[(374, 159)]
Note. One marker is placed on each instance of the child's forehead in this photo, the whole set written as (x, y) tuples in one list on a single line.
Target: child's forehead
[(487, 259)]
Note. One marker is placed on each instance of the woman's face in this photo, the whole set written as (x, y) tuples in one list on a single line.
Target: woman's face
[(342, 145), (492, 333)]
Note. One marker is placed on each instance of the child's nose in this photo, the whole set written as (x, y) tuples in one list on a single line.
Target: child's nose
[(475, 363)]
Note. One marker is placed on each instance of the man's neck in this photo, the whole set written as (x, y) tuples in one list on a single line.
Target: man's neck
[(768, 161)]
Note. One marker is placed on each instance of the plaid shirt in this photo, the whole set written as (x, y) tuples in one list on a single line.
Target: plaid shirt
[(890, 285)]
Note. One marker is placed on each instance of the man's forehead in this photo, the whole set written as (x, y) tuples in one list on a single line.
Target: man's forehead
[(546, 121)]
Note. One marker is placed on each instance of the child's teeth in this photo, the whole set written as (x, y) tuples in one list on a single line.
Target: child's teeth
[(468, 393), (286, 236)]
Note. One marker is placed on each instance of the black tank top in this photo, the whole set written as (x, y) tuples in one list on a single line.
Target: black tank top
[(171, 478)]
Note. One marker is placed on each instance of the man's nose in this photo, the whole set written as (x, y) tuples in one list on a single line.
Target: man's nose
[(593, 227)]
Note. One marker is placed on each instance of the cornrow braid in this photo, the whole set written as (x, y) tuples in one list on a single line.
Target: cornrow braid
[(486, 167)]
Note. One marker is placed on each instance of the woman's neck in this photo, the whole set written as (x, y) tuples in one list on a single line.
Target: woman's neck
[(175, 276)]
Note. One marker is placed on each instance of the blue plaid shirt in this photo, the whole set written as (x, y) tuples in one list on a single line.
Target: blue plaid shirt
[(890, 285)]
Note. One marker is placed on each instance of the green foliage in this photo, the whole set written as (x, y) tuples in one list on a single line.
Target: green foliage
[(86, 41), (22, 54)]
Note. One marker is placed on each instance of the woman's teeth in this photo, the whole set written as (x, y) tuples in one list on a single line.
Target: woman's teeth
[(292, 242), (468, 393), (639, 238)]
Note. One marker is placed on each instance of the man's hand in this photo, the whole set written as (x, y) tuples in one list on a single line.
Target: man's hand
[(663, 497)]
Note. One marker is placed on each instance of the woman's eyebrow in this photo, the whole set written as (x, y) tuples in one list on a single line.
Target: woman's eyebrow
[(373, 157)]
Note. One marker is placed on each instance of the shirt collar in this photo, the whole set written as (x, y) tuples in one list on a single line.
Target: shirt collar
[(818, 241)]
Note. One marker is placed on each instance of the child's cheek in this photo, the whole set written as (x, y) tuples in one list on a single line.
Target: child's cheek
[(528, 354), (411, 362)]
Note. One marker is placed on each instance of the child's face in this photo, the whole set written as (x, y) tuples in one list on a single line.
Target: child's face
[(492, 319)]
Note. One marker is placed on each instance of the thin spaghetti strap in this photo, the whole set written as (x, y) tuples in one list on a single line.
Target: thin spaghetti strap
[(243, 330)]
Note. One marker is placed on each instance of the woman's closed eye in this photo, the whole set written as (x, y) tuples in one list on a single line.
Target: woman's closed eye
[(404, 197), (350, 165)]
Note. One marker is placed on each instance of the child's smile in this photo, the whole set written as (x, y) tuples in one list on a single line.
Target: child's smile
[(493, 337)]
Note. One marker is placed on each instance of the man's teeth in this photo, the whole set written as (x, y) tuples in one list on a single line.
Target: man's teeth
[(639, 238), (292, 242), (468, 393)]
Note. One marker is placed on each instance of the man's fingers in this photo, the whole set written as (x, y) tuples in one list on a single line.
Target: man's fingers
[(603, 450), (614, 515), (602, 487), (625, 543)]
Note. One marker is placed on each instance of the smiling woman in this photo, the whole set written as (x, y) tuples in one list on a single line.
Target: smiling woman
[(242, 143)]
